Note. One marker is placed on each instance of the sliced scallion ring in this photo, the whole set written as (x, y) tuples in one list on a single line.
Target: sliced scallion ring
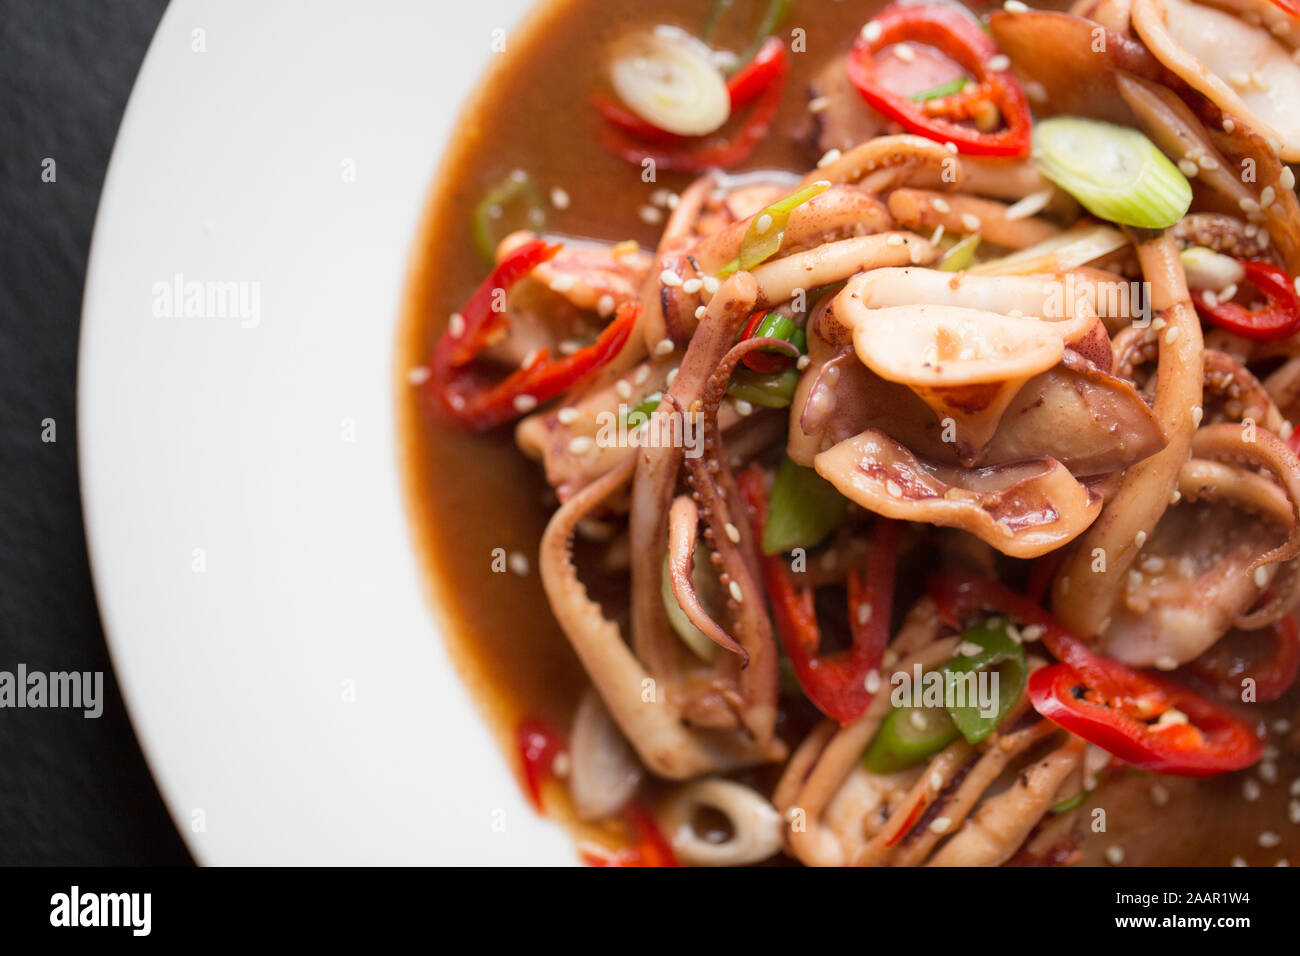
[(1116, 173), (668, 78), (767, 230)]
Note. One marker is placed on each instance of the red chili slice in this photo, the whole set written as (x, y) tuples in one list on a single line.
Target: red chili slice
[(1278, 318), (651, 847), (539, 745), (462, 393), (1210, 741), (953, 33), (763, 81), (1106, 702), (835, 683), (1269, 656)]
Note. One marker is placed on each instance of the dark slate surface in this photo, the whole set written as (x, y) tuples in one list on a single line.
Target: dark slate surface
[(72, 790)]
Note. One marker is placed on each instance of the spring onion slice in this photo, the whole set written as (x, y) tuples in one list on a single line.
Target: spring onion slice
[(668, 78), (638, 416), (767, 229), (682, 625), (946, 89), (516, 190), (1116, 173), (1069, 803), (1068, 250), (802, 510), (767, 390), (960, 256), (907, 736)]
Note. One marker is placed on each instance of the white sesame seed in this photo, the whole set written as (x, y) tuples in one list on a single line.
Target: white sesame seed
[(916, 254), (936, 781), (1165, 663), (830, 157), (1114, 855), (970, 222), (1172, 335), (871, 32), (525, 404), (1188, 168), (418, 375), (712, 284), (999, 63), (700, 312), (864, 614), (1250, 789), (581, 444), (735, 592), (671, 279), (664, 347), (1293, 811), (743, 408), (1266, 196), (456, 325), (1015, 6), (624, 389), (1140, 538), (733, 533), (1197, 414), (1287, 179), (917, 719), (1159, 794), (563, 283), (1228, 125), (518, 562), (567, 415), (940, 204), (605, 306), (671, 377), (968, 649), (803, 362), (893, 488), (894, 239), (641, 375), (762, 224), (650, 215), (904, 52), (941, 824), (1032, 633), (559, 198), (1176, 497), (692, 286), (819, 104), (1269, 839), (1268, 771), (872, 682)]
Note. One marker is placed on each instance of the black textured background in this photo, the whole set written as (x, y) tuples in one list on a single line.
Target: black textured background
[(72, 790)]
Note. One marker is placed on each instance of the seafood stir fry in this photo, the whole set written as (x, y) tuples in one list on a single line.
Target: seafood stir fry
[(948, 480)]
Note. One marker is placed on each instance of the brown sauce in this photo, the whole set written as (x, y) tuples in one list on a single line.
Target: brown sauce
[(470, 495)]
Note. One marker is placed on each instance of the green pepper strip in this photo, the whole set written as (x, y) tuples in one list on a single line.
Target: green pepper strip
[(998, 652)]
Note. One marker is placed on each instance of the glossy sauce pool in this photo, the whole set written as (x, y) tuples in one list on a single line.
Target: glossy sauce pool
[(474, 498)]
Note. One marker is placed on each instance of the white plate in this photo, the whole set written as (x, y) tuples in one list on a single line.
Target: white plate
[(251, 562)]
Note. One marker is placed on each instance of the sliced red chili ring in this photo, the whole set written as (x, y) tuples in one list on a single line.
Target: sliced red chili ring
[(1238, 655), (1278, 318), (462, 393), (958, 37), (1205, 740), (835, 683)]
